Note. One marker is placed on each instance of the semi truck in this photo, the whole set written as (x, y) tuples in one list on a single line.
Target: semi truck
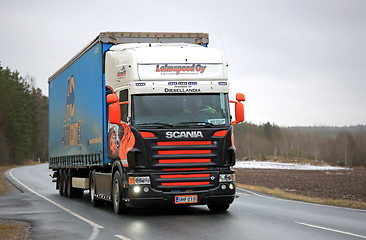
[(143, 119)]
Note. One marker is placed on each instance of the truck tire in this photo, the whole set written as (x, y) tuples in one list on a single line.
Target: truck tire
[(117, 192), (93, 192), (60, 182), (218, 207), (64, 183), (71, 191)]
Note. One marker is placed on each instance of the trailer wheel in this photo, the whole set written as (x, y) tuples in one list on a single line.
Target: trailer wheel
[(60, 182), (65, 183), (218, 207), (118, 203), (71, 191), (93, 198)]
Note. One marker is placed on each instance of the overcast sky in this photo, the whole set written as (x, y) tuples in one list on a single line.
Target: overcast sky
[(299, 63)]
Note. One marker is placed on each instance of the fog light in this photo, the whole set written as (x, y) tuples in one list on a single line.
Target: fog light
[(223, 186), (136, 189), (146, 189), (226, 178), (231, 186)]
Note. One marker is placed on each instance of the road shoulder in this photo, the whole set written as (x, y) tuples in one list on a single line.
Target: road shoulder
[(10, 228)]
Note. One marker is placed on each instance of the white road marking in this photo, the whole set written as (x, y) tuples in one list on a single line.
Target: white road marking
[(298, 201), (331, 230), (122, 237), (262, 196), (95, 226)]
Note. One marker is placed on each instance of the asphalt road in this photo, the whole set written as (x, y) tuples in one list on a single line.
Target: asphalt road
[(251, 216)]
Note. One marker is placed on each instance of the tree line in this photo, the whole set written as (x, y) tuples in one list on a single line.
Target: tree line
[(23, 119), (334, 145)]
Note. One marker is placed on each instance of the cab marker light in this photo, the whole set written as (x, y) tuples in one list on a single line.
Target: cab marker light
[(221, 133), (147, 134)]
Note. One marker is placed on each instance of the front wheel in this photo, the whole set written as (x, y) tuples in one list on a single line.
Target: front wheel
[(117, 200), (218, 207)]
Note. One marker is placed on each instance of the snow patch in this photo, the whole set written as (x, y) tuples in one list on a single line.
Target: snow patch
[(284, 166)]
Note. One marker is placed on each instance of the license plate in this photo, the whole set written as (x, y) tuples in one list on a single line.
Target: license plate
[(186, 199)]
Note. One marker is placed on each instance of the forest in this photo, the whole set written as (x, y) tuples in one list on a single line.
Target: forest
[(24, 132), (23, 119), (343, 146)]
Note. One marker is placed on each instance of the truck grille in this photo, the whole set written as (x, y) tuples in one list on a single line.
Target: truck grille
[(184, 181), (184, 154), (184, 165)]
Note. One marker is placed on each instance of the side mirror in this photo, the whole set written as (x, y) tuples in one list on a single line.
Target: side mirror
[(115, 113), (239, 108), (239, 112), (115, 109), (112, 98), (240, 97)]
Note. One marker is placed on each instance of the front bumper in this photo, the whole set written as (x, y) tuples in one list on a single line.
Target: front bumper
[(148, 196)]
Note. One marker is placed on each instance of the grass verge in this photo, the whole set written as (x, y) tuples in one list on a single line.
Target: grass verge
[(5, 185), (13, 229), (283, 194)]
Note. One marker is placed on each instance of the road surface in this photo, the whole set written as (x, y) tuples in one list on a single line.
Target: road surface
[(251, 216)]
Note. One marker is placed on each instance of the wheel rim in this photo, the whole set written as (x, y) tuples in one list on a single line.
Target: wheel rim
[(92, 190), (116, 193), (64, 183), (69, 184), (60, 183)]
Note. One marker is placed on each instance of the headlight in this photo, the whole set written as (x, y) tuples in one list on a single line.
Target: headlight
[(138, 180), (136, 189), (227, 178)]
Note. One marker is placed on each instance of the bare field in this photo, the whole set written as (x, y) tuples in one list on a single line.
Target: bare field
[(341, 188)]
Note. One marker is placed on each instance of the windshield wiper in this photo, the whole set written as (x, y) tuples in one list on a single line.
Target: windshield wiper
[(155, 124), (195, 124)]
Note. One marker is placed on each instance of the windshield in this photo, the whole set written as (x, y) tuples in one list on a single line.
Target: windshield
[(167, 110)]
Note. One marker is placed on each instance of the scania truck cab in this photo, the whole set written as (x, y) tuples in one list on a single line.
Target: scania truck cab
[(167, 135)]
